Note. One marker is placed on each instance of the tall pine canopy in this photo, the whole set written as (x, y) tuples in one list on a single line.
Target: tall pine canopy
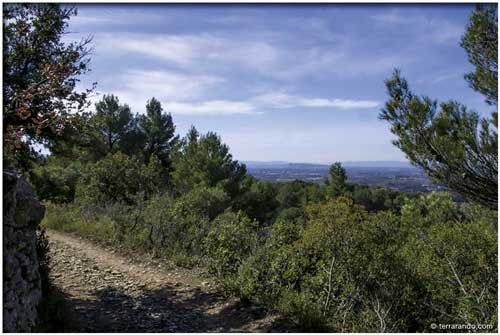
[(158, 133), (110, 124), (205, 161)]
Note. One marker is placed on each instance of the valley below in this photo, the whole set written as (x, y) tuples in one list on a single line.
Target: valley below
[(396, 176)]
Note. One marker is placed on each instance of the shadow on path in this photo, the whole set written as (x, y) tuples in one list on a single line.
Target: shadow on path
[(105, 292), (162, 310)]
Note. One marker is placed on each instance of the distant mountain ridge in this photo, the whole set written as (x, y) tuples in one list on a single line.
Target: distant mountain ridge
[(289, 165)]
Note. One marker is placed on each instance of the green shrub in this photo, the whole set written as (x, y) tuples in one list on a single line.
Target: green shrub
[(268, 271), (257, 199), (184, 260), (71, 218), (231, 238), (56, 180), (304, 309), (118, 178), (206, 202), (453, 254), (348, 270)]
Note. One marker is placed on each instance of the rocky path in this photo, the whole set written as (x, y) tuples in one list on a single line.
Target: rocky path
[(110, 293)]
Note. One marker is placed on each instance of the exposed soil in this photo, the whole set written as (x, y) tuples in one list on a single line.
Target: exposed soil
[(108, 292)]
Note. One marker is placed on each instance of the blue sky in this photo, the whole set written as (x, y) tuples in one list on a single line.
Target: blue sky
[(300, 83)]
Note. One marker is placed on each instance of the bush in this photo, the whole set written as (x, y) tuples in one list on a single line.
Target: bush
[(118, 178), (206, 202), (349, 270), (55, 180), (303, 308), (272, 268), (156, 221), (231, 238), (72, 219), (452, 252), (257, 200)]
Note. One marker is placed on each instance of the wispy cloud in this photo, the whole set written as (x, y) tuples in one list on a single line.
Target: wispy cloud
[(192, 51), (438, 29), (115, 17), (190, 95), (169, 85), (214, 107), (264, 103), (273, 58), (135, 87), (84, 20), (281, 100)]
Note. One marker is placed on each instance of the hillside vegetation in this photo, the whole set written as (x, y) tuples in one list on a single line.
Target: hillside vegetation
[(330, 257)]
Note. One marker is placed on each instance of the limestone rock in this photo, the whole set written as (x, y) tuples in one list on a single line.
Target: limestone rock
[(22, 213)]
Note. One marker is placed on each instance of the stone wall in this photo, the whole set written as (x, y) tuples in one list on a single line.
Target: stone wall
[(22, 213)]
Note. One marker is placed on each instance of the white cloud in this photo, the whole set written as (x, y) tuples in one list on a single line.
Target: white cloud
[(439, 30), (280, 100), (136, 87), (259, 104), (262, 55), (179, 50), (214, 107), (83, 20), (202, 51), (115, 16), (168, 85)]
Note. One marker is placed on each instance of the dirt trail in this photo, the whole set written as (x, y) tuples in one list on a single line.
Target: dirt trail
[(110, 293)]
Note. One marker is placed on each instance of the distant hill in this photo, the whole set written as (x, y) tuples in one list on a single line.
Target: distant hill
[(391, 164), (262, 165), (288, 165), (390, 174)]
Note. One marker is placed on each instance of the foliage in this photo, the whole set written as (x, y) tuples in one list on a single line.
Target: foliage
[(109, 126), (480, 41), (453, 255), (157, 130), (453, 145), (376, 198), (271, 269), (231, 238), (39, 75), (348, 270), (338, 178), (72, 218), (55, 179), (181, 224), (301, 307), (204, 161), (257, 199), (118, 178)]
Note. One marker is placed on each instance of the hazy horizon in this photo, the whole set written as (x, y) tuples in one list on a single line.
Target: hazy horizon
[(406, 162)]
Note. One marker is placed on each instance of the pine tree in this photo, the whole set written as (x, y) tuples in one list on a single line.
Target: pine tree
[(452, 144), (111, 123), (158, 132)]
